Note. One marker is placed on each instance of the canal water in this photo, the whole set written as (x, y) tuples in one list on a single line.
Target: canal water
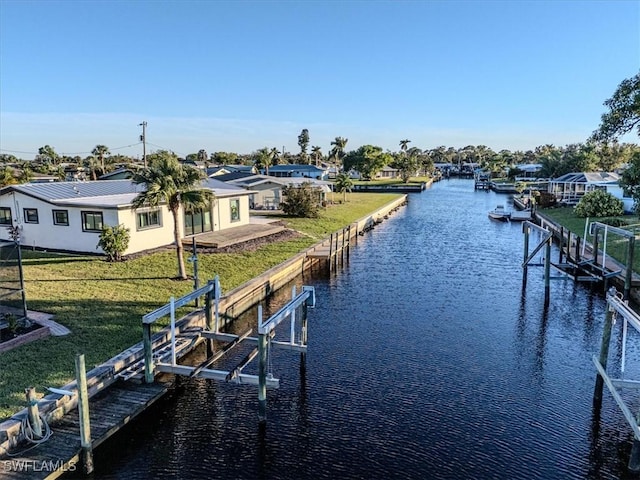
[(427, 360)]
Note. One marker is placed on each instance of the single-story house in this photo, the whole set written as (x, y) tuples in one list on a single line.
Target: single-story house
[(266, 191), (298, 170), (224, 169), (570, 187), (388, 172), (69, 216)]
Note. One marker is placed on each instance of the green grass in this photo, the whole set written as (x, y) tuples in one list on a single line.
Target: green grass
[(102, 303), (393, 181)]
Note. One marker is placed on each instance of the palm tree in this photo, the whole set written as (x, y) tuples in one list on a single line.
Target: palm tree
[(337, 152), (316, 153), (7, 177), (343, 184), (100, 151), (168, 181), (404, 144), (27, 174), (274, 155), (263, 159)]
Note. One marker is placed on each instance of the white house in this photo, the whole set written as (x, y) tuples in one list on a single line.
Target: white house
[(266, 191), (69, 216), (570, 188)]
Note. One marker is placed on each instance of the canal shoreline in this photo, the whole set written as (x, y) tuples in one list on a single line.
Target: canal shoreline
[(54, 406)]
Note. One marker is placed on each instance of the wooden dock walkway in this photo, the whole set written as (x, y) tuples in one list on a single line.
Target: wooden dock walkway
[(337, 244), (109, 411)]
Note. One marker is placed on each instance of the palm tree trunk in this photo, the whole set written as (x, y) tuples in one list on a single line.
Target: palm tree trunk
[(182, 274)]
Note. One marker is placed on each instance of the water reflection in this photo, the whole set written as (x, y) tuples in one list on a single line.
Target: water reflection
[(427, 359)]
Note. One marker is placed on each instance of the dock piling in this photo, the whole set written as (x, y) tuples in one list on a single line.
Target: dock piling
[(83, 411), (33, 412)]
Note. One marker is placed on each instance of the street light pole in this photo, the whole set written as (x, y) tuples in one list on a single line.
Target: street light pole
[(143, 139)]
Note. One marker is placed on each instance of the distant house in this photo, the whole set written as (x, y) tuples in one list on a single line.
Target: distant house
[(529, 171), (388, 172), (122, 173), (266, 191), (570, 188), (69, 216), (295, 170), (224, 169)]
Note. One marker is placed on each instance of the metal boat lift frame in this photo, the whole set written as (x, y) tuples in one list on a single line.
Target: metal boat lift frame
[(617, 306), (264, 341)]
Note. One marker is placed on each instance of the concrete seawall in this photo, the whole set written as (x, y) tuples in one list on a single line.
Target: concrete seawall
[(232, 304)]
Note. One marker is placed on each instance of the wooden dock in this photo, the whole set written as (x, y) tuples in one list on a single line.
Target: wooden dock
[(109, 411), (337, 244)]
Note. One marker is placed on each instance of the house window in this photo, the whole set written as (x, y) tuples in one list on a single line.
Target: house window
[(31, 215), (60, 217), (150, 219), (5, 216), (91, 221), (197, 222), (235, 210)]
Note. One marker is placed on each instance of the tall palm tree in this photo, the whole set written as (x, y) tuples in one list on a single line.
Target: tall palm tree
[(168, 181), (337, 152), (316, 153), (274, 155), (404, 144), (263, 159), (100, 151), (343, 184)]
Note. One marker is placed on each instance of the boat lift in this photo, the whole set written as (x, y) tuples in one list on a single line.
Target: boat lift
[(264, 341), (593, 269), (618, 307)]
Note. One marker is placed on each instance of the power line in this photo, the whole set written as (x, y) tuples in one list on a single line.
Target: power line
[(68, 154)]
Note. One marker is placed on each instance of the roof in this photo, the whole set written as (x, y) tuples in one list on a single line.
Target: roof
[(291, 167), (102, 193), (588, 177), (226, 177)]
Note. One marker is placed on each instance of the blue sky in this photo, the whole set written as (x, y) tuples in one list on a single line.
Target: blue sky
[(238, 76)]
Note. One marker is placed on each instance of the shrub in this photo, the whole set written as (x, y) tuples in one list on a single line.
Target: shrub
[(599, 203), (114, 241), (302, 201)]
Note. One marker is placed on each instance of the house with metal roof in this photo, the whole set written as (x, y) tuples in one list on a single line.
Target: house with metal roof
[(266, 191), (69, 216), (298, 170), (571, 187)]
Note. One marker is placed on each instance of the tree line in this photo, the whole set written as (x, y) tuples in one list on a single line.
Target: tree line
[(601, 152)]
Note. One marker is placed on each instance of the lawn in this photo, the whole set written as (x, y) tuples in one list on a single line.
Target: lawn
[(393, 181), (102, 303)]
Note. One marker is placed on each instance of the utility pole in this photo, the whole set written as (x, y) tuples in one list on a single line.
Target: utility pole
[(143, 139)]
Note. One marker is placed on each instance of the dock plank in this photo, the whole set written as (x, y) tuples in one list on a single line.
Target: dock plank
[(109, 411)]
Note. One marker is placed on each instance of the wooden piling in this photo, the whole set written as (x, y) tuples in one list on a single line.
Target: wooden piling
[(547, 269), (33, 413), (561, 252), (578, 240), (208, 314), (629, 272), (148, 352), (526, 230), (83, 413), (604, 353)]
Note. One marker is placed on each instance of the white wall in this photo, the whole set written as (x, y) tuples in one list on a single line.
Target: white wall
[(222, 212), (45, 234)]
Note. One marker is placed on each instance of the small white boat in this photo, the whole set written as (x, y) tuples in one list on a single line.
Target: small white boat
[(500, 213)]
